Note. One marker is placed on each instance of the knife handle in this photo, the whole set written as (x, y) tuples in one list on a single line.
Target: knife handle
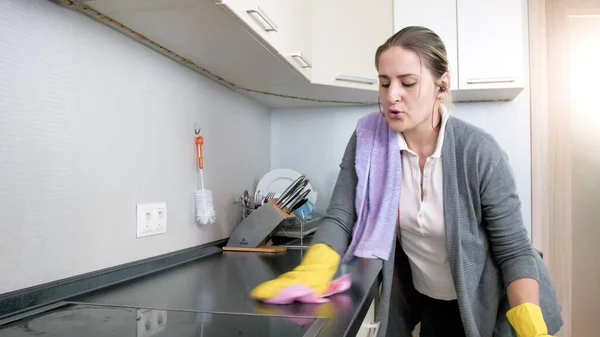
[(282, 212)]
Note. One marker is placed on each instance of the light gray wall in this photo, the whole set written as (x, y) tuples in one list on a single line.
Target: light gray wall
[(92, 123), (312, 141)]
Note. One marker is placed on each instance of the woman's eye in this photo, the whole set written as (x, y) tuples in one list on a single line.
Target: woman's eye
[(408, 85), (385, 85)]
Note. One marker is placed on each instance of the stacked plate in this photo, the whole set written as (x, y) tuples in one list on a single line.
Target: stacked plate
[(278, 180)]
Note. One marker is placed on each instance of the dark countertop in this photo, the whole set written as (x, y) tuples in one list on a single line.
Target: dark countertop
[(222, 283)]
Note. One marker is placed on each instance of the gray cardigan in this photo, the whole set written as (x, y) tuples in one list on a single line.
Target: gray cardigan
[(487, 244)]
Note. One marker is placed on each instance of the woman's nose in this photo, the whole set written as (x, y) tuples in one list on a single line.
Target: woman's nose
[(395, 93)]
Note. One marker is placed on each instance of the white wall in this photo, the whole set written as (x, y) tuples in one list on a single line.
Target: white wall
[(92, 123), (312, 141)]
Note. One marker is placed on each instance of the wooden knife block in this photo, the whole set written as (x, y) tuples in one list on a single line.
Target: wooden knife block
[(254, 232)]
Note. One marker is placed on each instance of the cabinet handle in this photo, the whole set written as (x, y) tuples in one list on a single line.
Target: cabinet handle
[(373, 328), (355, 79), (266, 19), (491, 80), (304, 62)]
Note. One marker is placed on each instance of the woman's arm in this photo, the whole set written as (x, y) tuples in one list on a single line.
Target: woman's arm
[(510, 244), (335, 229), (523, 290)]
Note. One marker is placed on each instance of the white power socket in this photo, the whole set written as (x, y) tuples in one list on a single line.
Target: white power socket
[(150, 322), (151, 219)]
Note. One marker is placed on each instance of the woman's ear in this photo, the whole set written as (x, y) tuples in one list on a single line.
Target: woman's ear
[(444, 85), (446, 80)]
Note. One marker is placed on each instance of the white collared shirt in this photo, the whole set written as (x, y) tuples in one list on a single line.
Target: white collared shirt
[(422, 225)]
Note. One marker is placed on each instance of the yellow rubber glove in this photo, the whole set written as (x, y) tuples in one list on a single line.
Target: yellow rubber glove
[(316, 271), (527, 320)]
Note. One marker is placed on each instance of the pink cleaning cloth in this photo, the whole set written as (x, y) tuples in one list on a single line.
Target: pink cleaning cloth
[(304, 294)]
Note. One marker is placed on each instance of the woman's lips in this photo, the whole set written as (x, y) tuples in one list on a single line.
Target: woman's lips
[(396, 114)]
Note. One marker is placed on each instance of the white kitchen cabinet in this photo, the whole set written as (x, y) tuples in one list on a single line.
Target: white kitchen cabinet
[(484, 42), (297, 47), (442, 21), (345, 37), (368, 328), (118, 6), (282, 26), (490, 44), (263, 18), (306, 53)]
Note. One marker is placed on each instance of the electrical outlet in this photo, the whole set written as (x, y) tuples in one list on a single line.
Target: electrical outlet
[(160, 225), (151, 219), (150, 322)]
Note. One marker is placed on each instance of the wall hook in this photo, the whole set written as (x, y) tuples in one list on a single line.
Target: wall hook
[(197, 131)]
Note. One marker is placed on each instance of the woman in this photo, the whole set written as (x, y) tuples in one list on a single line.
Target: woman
[(457, 245)]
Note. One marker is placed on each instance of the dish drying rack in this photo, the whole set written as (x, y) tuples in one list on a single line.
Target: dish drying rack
[(269, 217), (296, 227), (251, 203)]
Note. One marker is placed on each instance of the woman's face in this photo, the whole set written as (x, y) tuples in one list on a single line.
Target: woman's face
[(407, 89)]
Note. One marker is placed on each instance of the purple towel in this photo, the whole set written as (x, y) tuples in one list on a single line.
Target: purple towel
[(379, 170)]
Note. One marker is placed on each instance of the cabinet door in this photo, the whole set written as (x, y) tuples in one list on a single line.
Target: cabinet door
[(368, 328), (490, 43), (263, 19), (437, 15), (346, 34), (297, 47)]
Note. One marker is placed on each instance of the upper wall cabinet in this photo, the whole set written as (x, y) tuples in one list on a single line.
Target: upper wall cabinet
[(490, 44), (330, 43), (306, 53), (442, 21), (345, 35), (282, 26), (484, 41)]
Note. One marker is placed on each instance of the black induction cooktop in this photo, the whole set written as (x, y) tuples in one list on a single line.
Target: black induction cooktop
[(70, 319)]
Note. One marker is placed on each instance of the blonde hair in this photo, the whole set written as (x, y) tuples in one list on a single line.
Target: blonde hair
[(427, 45)]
